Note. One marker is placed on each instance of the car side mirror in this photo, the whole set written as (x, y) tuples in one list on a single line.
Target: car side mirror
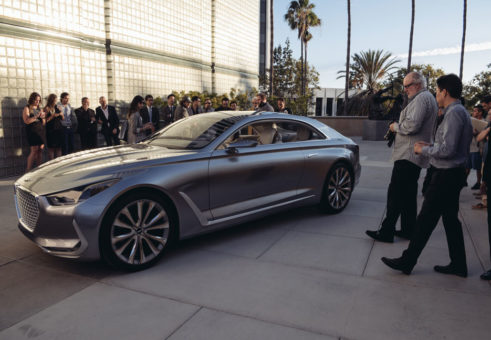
[(244, 143)]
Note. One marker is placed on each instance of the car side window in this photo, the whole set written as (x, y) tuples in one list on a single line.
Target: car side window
[(296, 132)]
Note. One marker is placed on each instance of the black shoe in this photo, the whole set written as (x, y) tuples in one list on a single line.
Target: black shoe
[(486, 276), (476, 186), (402, 234), (449, 269), (398, 264), (380, 236)]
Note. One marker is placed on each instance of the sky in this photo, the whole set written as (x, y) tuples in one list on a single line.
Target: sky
[(385, 24)]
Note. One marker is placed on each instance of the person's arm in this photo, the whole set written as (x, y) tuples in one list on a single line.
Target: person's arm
[(25, 116), (446, 148), (483, 134)]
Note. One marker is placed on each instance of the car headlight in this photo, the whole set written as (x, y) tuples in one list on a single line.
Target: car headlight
[(76, 195)]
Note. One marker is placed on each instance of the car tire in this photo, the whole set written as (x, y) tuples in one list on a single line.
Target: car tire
[(337, 189), (136, 231)]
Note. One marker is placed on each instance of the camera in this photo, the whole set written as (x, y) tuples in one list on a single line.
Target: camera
[(390, 136)]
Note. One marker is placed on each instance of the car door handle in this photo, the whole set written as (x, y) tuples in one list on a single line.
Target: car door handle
[(310, 155)]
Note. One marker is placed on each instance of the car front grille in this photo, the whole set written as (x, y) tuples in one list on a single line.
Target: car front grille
[(28, 208)]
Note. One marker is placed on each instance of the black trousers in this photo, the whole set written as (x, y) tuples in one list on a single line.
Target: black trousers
[(441, 198), (402, 197), (111, 139), (488, 191)]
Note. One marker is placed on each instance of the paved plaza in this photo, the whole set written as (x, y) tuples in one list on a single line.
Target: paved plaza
[(295, 275)]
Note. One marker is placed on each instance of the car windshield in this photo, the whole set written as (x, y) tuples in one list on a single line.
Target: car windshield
[(194, 132)]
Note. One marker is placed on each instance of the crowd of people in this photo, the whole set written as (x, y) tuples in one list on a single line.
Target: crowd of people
[(434, 133), (57, 124)]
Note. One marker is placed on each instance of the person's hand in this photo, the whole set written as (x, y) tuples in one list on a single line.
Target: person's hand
[(99, 121), (392, 127), (115, 131), (418, 147), (42, 115)]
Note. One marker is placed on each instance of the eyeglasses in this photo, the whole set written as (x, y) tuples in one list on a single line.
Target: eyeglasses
[(209, 103), (408, 85)]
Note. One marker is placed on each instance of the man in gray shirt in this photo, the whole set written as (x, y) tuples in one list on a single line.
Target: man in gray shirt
[(416, 123), (445, 179)]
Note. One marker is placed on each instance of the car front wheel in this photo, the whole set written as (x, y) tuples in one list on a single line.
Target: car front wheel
[(137, 231)]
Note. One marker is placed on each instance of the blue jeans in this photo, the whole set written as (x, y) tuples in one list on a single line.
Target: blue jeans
[(67, 140)]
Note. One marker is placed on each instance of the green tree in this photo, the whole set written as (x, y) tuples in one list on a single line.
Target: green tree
[(477, 88), (301, 17), (369, 68)]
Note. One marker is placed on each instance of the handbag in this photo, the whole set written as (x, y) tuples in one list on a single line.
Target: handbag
[(123, 132)]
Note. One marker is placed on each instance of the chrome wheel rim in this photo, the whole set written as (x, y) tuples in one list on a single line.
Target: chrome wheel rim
[(339, 188), (139, 232)]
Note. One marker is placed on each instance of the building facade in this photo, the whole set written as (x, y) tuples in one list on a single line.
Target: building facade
[(118, 49), (329, 101)]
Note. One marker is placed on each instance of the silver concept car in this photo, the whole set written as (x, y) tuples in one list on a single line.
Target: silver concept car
[(126, 204)]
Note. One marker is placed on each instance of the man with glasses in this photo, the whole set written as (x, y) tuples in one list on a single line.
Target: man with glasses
[(207, 107), (151, 114), (416, 123)]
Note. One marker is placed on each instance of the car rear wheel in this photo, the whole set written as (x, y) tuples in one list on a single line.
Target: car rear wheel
[(337, 189), (137, 231)]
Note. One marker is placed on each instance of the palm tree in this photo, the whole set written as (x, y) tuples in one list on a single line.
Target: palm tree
[(369, 67), (300, 17), (411, 36), (312, 21), (463, 41), (346, 84)]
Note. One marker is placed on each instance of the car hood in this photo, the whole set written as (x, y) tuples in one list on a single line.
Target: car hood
[(91, 166)]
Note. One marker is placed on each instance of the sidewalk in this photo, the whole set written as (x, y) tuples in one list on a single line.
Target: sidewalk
[(297, 275)]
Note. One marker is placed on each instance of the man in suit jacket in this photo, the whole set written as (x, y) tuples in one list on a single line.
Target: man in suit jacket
[(168, 111), (87, 125), (150, 114), (106, 116)]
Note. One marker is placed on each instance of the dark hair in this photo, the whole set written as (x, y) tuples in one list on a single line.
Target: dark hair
[(63, 95), (84, 99), (32, 98), (171, 95), (451, 83), (225, 99), (261, 95), (184, 99), (51, 101), (233, 102), (486, 99), (148, 96), (134, 104), (479, 108), (280, 99), (195, 98)]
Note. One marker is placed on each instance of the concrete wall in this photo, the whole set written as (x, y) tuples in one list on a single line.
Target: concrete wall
[(348, 126)]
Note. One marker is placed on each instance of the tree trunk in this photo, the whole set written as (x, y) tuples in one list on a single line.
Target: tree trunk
[(411, 38), (306, 70), (463, 42), (301, 66), (346, 84), (271, 48)]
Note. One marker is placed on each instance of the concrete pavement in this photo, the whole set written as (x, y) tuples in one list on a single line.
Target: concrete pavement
[(297, 275)]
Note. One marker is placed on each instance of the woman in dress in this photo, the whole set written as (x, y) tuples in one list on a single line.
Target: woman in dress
[(54, 129), (34, 118), (136, 128)]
